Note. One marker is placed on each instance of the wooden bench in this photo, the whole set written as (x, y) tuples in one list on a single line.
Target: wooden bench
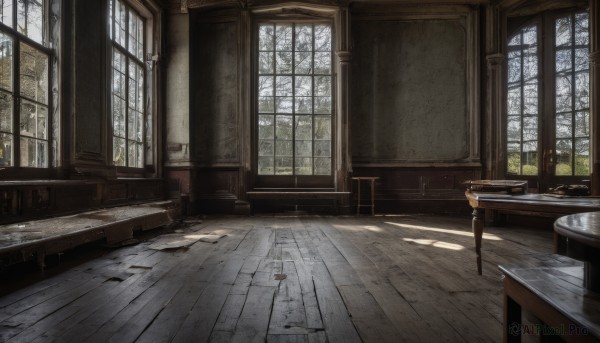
[(34, 240), (336, 197), (551, 288)]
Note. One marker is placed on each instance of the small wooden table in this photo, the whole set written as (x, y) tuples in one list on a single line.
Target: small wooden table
[(525, 204), (551, 288), (578, 236), (372, 181)]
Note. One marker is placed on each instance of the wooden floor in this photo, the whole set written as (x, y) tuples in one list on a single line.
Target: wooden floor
[(281, 279)]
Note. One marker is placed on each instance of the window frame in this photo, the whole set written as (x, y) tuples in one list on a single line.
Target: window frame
[(294, 180), (546, 52), (46, 47)]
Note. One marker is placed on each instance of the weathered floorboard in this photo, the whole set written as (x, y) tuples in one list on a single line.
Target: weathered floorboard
[(281, 279)]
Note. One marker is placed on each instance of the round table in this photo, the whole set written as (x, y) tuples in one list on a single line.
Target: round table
[(578, 236)]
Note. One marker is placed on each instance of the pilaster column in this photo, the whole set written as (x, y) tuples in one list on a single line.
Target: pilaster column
[(492, 121), (342, 148), (594, 59)]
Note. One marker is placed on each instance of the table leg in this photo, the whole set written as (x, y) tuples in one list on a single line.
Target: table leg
[(358, 200), (478, 218), (372, 197)]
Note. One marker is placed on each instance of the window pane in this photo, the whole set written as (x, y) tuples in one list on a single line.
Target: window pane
[(323, 105), (266, 165), (582, 124), (304, 128), (283, 165), (322, 38), (283, 104), (303, 166), (563, 31), (283, 86), (266, 148), (530, 128), (265, 86), (303, 86), (266, 127), (33, 74), (34, 153), (6, 156), (323, 148), (265, 63), (283, 128), (136, 127), (529, 158), (514, 66), (6, 12), (283, 37), (303, 38), (136, 156), (266, 35), (582, 157), (322, 166), (6, 62), (322, 63), (30, 19), (581, 59), (120, 24), (563, 157), (564, 125), (119, 113), (303, 105), (322, 127), (582, 89), (323, 85), (563, 60), (303, 64), (283, 62), (513, 132), (266, 104), (304, 149), (563, 94), (514, 101), (6, 113), (119, 151), (34, 119), (513, 158), (582, 29)]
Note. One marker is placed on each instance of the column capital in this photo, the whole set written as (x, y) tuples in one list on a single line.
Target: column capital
[(594, 57), (344, 56), (494, 59)]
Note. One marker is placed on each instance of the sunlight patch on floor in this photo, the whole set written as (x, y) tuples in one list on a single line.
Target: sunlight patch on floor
[(434, 243), (487, 236)]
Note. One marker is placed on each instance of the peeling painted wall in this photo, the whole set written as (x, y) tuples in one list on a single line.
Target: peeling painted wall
[(408, 91), (215, 92)]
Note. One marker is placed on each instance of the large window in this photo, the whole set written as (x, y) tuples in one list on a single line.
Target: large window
[(294, 99), (128, 92), (24, 84), (548, 98)]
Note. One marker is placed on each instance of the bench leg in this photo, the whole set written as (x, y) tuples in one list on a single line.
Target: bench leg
[(512, 320)]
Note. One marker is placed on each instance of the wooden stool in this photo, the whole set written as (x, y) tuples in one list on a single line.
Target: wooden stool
[(372, 205)]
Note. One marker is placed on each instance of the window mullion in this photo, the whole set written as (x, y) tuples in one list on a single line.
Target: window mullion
[(573, 94), (16, 101), (294, 99), (522, 95)]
